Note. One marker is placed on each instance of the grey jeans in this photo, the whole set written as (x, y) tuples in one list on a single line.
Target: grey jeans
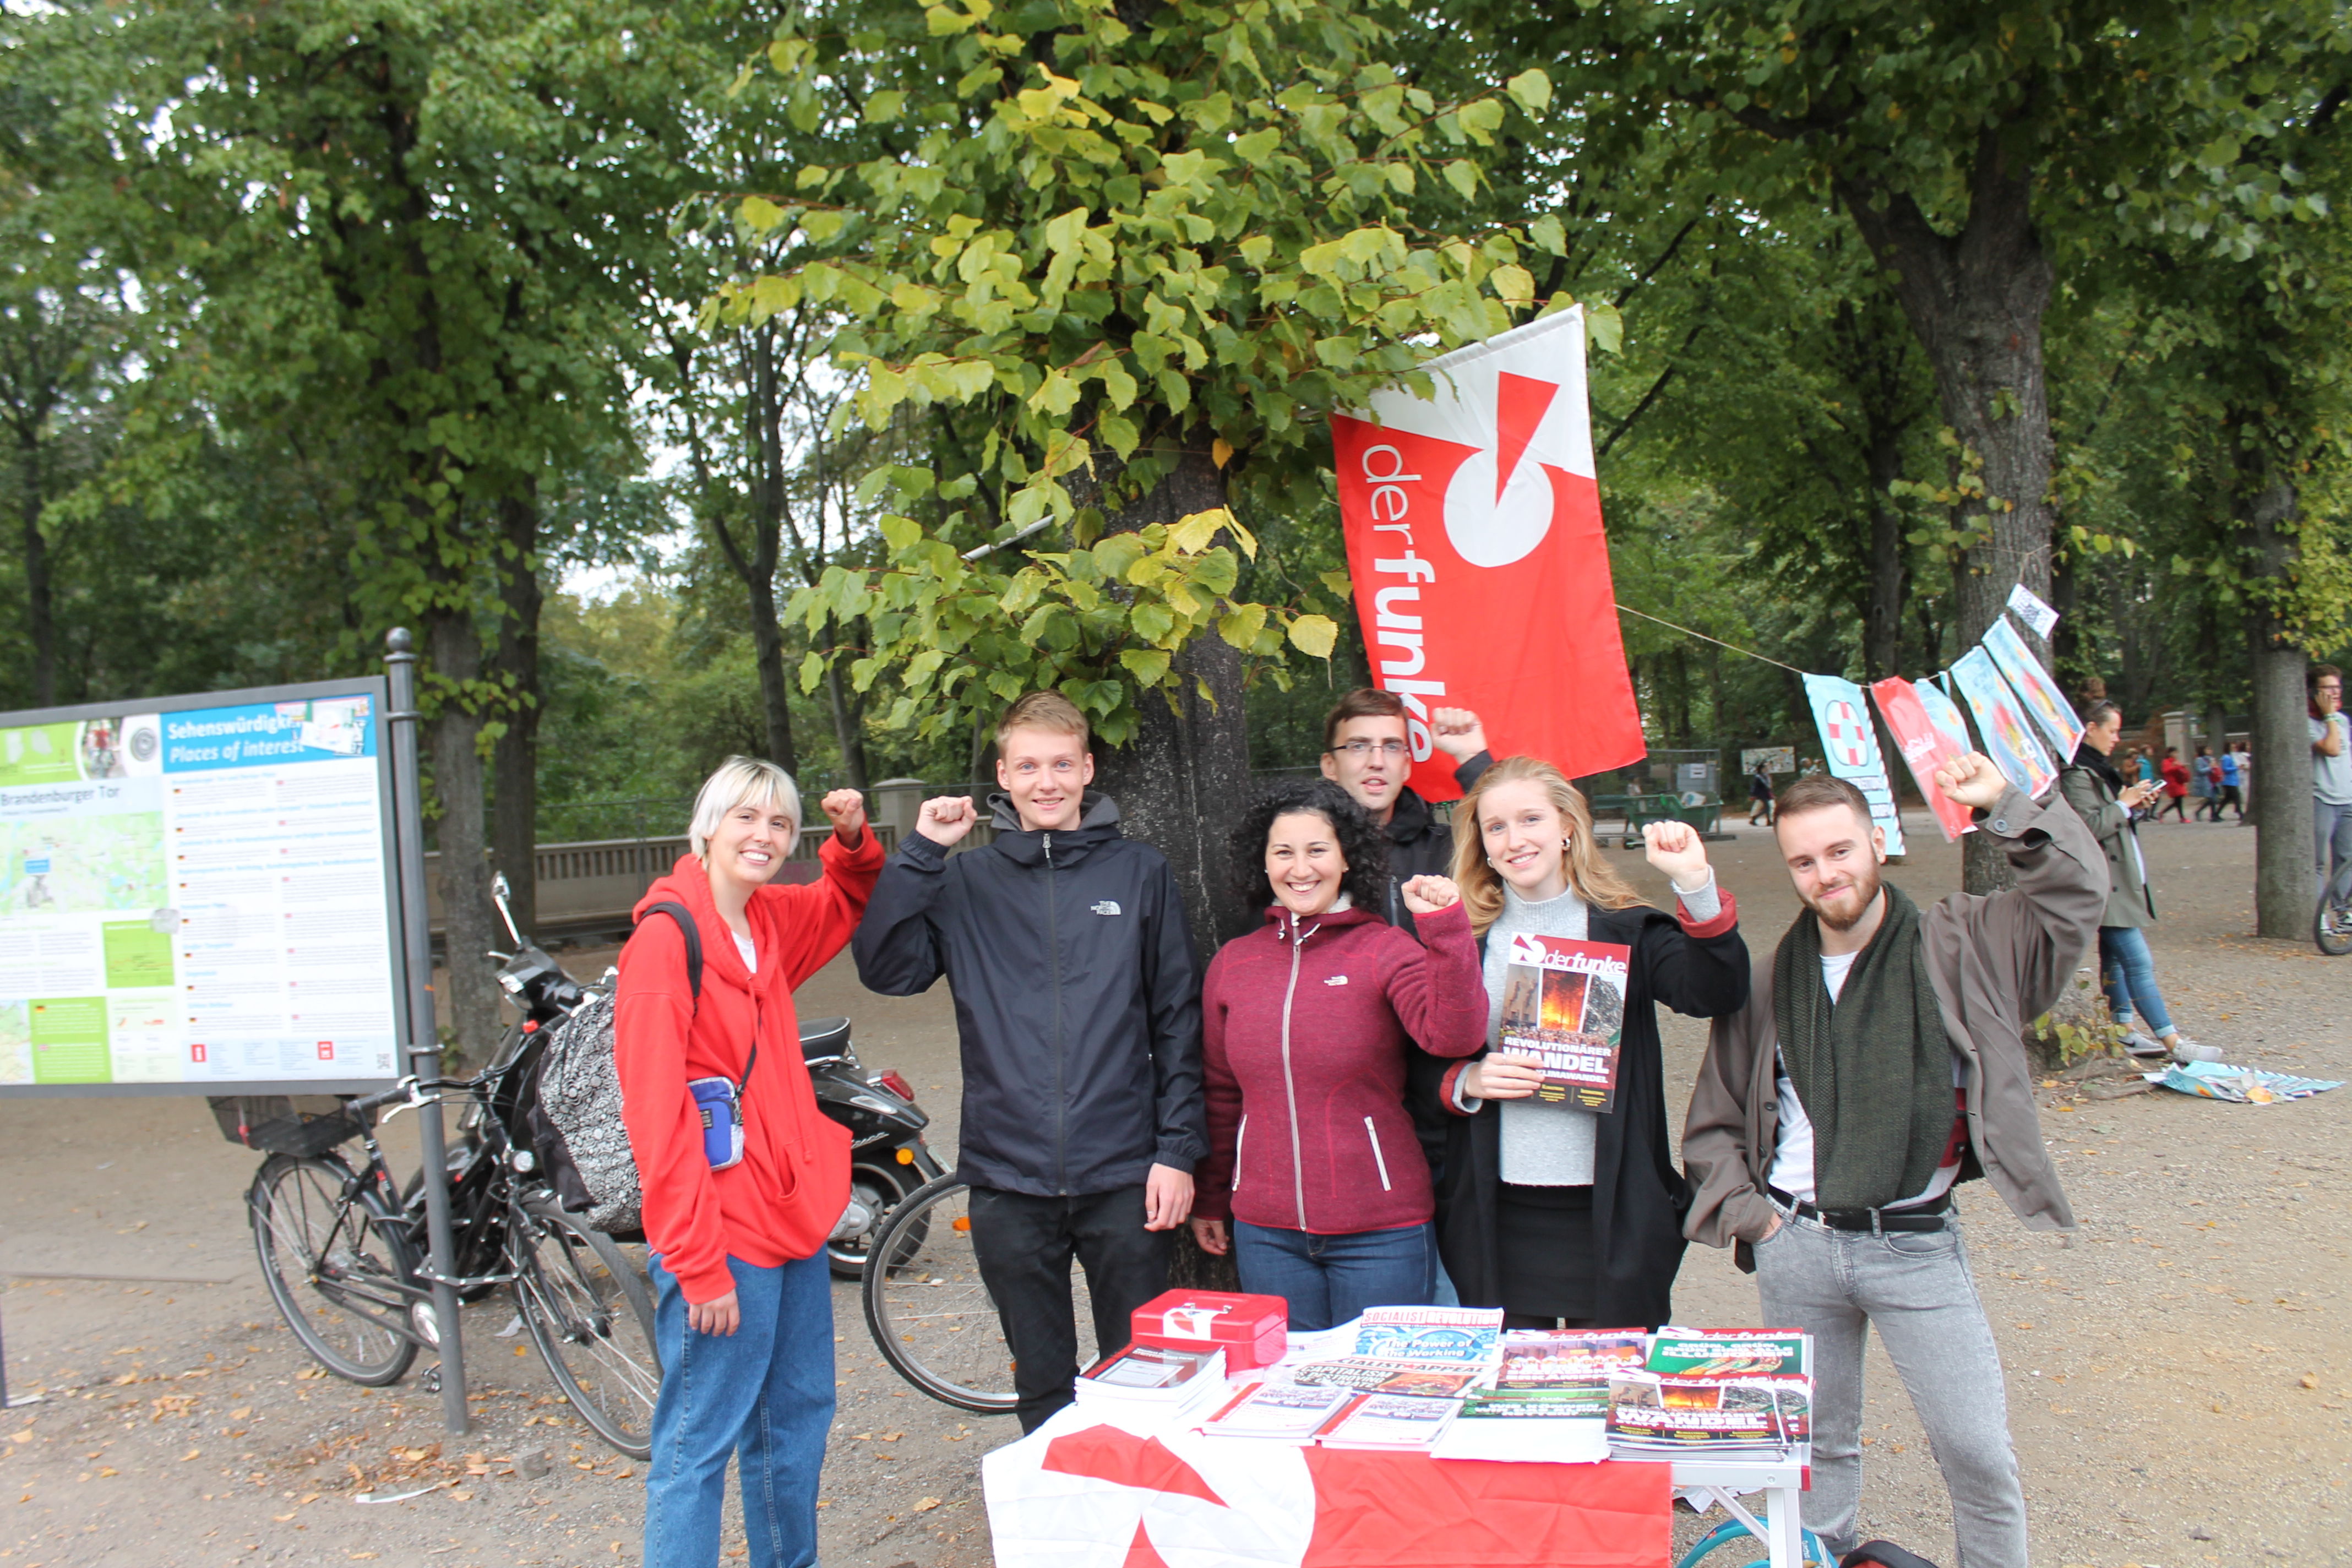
[(1915, 1285)]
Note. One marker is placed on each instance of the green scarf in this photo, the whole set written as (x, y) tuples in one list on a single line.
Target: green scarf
[(1873, 1069)]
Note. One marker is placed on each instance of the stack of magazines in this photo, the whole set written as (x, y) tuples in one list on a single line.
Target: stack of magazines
[(1548, 1399), (1399, 1388), (1733, 1393), (1153, 1383)]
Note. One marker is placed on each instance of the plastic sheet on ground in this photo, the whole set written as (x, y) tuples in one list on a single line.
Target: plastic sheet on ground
[(2243, 1086)]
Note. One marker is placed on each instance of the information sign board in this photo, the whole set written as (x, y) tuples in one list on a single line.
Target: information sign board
[(197, 895)]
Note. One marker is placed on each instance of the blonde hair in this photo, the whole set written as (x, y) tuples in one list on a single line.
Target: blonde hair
[(738, 780), (1047, 711), (1591, 879)]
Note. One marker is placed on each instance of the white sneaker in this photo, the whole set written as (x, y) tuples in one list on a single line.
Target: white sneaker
[(2138, 1045), (2185, 1049)]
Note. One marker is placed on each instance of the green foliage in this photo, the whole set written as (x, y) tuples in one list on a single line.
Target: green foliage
[(1090, 250)]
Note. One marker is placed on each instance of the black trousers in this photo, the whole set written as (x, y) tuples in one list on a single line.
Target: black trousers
[(1024, 1245)]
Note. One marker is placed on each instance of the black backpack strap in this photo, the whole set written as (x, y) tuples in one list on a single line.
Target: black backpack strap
[(685, 918)]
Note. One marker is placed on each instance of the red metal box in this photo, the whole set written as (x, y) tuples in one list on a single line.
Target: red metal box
[(1253, 1330)]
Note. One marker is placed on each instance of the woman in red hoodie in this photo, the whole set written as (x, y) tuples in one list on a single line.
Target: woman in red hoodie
[(744, 1318), (1305, 1028)]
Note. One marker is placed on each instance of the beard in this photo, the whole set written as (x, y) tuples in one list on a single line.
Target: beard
[(1865, 884)]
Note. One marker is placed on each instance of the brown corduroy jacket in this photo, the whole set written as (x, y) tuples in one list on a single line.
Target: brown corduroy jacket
[(1998, 962)]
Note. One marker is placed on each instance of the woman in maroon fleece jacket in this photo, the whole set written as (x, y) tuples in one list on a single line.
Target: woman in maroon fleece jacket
[(1305, 1026)]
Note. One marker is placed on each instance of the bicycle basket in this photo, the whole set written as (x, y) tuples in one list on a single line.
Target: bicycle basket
[(276, 1124)]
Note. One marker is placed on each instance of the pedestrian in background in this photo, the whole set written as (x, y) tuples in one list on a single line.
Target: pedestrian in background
[(1759, 795), (2228, 775), (2205, 776), (1305, 1027), (2109, 807), (2176, 787), (2331, 785)]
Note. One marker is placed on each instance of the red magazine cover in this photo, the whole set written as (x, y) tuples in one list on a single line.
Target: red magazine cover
[(1564, 1004)]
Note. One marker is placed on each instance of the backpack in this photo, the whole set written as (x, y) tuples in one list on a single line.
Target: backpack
[(574, 1100)]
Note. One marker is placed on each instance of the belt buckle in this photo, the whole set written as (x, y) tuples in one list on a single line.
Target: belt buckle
[(1877, 1229)]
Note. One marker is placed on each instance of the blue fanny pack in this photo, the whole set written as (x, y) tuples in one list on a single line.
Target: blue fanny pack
[(718, 1100)]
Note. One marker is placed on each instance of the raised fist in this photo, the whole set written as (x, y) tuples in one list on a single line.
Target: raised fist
[(847, 807), (945, 820), (1427, 895)]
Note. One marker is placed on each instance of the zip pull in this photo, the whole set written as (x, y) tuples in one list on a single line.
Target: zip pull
[(1049, 848)]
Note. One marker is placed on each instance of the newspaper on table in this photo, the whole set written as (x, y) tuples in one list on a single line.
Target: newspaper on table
[(1461, 1335), (1394, 1422), (2241, 1086), (1277, 1411), (1725, 1391), (1374, 1374)]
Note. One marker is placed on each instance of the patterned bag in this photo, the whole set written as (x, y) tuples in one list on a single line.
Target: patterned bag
[(576, 1106)]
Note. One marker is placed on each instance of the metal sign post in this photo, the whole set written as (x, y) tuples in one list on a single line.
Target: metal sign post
[(424, 1043)]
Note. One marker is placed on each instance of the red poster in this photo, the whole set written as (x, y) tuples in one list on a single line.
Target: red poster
[(1925, 747), (1481, 571)]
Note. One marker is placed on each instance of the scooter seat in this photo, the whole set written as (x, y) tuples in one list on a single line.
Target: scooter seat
[(824, 1039)]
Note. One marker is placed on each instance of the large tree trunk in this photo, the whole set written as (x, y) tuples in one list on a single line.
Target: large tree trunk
[(514, 758), (41, 624), (756, 566), (471, 991), (1976, 299), (1882, 629), (848, 711), (1179, 780), (2286, 886)]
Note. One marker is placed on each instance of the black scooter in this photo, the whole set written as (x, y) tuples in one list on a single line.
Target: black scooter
[(888, 1156)]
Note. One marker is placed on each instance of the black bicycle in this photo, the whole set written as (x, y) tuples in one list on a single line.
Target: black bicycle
[(344, 1250)]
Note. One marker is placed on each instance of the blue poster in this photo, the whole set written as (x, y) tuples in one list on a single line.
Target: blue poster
[(2009, 741)]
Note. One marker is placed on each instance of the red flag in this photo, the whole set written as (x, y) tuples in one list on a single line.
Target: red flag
[(1925, 747), (1474, 534)]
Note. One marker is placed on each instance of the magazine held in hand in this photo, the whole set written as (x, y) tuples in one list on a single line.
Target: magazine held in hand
[(1564, 1004)]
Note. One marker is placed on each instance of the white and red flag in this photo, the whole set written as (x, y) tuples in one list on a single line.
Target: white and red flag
[(1481, 571)]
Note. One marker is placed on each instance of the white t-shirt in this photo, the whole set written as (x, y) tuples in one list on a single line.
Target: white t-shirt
[(1792, 1155), (751, 955)]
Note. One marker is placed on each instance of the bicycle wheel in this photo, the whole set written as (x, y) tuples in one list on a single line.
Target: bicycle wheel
[(2331, 926), (335, 1266), (930, 1316), (588, 1309)]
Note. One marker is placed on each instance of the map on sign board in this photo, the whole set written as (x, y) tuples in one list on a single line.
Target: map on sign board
[(197, 895)]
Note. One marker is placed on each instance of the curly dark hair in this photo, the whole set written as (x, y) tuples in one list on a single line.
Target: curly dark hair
[(1364, 847)]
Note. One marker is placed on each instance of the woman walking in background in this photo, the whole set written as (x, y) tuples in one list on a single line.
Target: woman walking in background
[(2108, 805), (1552, 1212), (743, 1317), (2176, 788), (1306, 1026), (1759, 795), (2204, 775)]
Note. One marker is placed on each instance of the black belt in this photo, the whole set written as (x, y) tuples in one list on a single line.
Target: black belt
[(1931, 1216)]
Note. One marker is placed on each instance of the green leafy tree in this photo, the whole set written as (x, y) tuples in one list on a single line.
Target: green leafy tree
[(1119, 262)]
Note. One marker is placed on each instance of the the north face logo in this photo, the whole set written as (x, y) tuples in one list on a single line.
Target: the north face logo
[(1107, 906), (1336, 979)]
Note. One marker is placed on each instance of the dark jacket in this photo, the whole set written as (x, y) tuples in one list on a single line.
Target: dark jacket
[(1638, 1195), (1306, 1026), (1077, 998), (1420, 845)]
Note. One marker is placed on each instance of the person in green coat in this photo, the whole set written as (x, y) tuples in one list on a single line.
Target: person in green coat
[(2111, 808)]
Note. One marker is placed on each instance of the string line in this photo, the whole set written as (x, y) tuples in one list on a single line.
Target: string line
[(1702, 636)]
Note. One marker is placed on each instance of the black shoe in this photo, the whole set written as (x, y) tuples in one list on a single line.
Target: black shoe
[(1882, 1554)]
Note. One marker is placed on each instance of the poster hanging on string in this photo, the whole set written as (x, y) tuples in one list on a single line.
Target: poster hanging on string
[(1473, 522), (1925, 746), (1944, 714), (1850, 747), (2029, 608), (2008, 740), (2036, 692)]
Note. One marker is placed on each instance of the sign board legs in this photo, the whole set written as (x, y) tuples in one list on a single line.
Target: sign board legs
[(424, 1043)]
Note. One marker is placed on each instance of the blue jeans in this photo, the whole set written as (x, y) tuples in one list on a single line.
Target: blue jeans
[(2332, 836), (767, 1390), (1329, 1280), (2128, 970)]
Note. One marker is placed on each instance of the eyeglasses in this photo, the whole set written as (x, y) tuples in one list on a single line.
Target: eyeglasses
[(1368, 748)]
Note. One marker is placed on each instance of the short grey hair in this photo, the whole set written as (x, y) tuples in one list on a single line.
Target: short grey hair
[(737, 780)]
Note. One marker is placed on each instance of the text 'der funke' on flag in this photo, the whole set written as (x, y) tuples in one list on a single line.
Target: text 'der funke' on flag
[(1481, 573)]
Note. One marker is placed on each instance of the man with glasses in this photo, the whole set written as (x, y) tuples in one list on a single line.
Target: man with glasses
[(1368, 752), (2331, 789)]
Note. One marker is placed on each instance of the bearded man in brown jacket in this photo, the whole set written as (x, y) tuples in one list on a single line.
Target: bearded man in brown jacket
[(1880, 1061)]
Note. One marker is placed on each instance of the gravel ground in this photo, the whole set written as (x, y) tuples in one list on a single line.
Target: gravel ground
[(2178, 1374)]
